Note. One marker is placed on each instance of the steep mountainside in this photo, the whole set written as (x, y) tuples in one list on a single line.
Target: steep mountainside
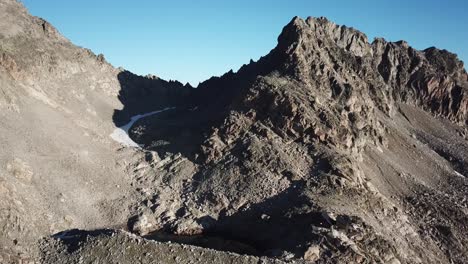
[(329, 142), (329, 149), (57, 162)]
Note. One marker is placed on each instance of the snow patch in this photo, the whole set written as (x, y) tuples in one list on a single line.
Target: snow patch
[(459, 174), (121, 135)]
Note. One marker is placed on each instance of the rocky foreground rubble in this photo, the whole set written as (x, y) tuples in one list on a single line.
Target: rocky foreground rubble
[(329, 149)]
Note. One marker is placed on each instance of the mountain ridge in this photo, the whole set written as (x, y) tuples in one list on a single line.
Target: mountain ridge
[(356, 42), (321, 120)]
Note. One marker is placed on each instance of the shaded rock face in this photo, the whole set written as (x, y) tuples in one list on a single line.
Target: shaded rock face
[(140, 94), (319, 143)]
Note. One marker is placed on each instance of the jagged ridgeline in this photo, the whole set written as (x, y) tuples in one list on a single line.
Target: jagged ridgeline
[(334, 144), (329, 149)]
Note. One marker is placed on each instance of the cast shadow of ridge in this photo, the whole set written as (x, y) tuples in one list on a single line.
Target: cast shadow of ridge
[(74, 237), (174, 131), (141, 95), (198, 111), (184, 129)]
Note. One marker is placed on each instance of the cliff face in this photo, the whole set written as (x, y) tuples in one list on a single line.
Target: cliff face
[(393, 72), (326, 138)]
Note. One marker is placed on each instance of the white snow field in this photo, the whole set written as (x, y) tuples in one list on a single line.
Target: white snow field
[(121, 135)]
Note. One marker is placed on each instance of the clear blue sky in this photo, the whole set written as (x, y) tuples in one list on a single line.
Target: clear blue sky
[(194, 40)]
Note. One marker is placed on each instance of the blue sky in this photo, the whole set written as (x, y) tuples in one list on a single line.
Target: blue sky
[(191, 41)]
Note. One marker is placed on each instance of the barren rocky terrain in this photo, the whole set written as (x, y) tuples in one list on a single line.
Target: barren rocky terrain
[(329, 149)]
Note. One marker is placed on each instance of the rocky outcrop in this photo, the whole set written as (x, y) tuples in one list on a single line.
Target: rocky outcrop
[(314, 129)]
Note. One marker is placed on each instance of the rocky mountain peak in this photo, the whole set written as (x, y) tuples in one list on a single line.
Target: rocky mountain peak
[(318, 33), (324, 119), (312, 49)]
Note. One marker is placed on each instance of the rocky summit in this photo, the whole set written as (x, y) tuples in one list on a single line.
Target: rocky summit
[(329, 149)]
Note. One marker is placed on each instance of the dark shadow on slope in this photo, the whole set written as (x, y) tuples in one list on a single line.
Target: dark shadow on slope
[(175, 131), (141, 95), (268, 229), (213, 99), (74, 237), (198, 111), (215, 242), (274, 226)]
